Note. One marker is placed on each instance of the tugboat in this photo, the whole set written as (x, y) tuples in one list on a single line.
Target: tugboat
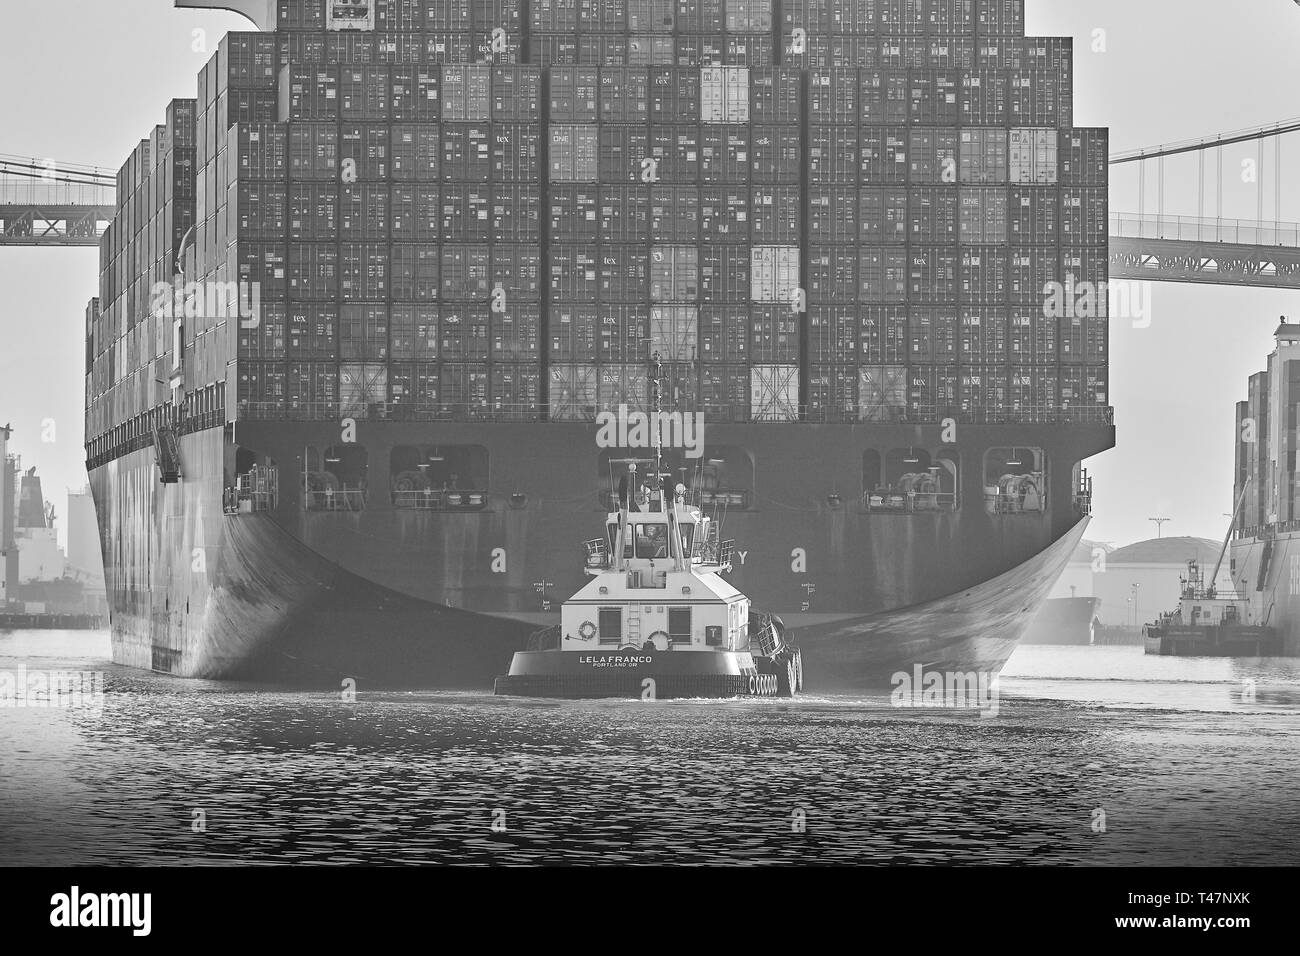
[(1208, 625), (657, 620)]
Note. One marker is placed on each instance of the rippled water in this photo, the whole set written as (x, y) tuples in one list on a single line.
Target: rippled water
[(1186, 768)]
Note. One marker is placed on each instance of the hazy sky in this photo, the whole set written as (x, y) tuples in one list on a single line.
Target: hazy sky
[(84, 80)]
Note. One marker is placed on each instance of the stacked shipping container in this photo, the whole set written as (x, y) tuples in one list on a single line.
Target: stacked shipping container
[(838, 209)]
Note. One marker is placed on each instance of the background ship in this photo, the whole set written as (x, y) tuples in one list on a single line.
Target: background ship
[(472, 222), (1265, 562)]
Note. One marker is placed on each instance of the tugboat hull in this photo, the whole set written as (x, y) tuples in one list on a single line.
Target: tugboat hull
[(648, 675)]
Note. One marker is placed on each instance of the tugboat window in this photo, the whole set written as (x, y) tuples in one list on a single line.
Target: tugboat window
[(652, 541), (610, 625), (679, 625)]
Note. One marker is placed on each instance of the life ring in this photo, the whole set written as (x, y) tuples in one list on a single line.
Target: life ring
[(586, 630), (668, 644), (753, 684)]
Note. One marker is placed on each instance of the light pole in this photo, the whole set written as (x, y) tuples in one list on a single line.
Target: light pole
[(1160, 524), (1133, 599)]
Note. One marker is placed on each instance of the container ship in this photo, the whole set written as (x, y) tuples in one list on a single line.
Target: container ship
[(379, 305), (1265, 551)]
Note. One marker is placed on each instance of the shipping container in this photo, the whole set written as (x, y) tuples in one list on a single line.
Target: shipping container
[(832, 273), (414, 331), (416, 152), (516, 94), (674, 275), (363, 332), (1032, 156), (833, 96), (882, 393), (621, 153), (364, 92), (774, 93), (574, 95), (724, 334), (932, 214), (725, 393), (573, 274), (600, 50), (883, 152), (555, 49), (984, 274), (1032, 390), (464, 272), (414, 94), (464, 390), (463, 331), (1032, 268), (623, 213), (308, 91), (622, 385), (624, 332), (257, 261), (466, 93), (932, 336), (933, 97), (363, 271), (833, 334), (982, 387), (573, 154), (623, 272), (572, 392), (1000, 18), (514, 334), (313, 151), (1085, 218), (364, 152), (725, 273), (774, 393), (1038, 98), (624, 95), (832, 393), (776, 154), (1084, 339), (466, 152), (574, 333), (775, 214), (674, 333), (1088, 264), (255, 210), (1084, 156), (313, 330), (516, 152), (931, 274), (883, 97), (982, 156), (774, 334), (724, 155), (774, 273), (1033, 215), (413, 385), (552, 15), (415, 272), (933, 154), (675, 151), (833, 214), (882, 274), (882, 214), (466, 214), (983, 336), (674, 214), (1032, 338), (833, 154), (724, 93), (313, 210), (983, 215), (984, 98), (363, 211), (931, 390), (651, 50), (674, 95), (516, 391)]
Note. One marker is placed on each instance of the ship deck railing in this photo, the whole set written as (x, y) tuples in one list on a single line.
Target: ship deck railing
[(888, 501), (430, 499), (569, 413), (336, 499), (1264, 530), (1003, 504)]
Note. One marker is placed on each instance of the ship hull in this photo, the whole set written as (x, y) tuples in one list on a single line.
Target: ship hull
[(1266, 574), (395, 597)]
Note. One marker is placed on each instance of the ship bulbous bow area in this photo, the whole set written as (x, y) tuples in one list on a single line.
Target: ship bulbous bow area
[(976, 629)]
